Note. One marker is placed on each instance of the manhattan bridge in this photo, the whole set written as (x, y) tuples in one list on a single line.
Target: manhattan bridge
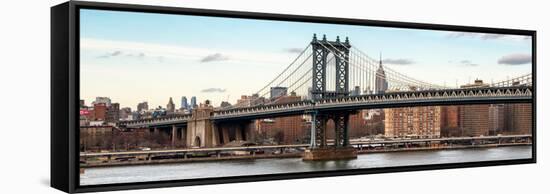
[(335, 80)]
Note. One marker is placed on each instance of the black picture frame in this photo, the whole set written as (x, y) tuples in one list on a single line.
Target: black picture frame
[(65, 94)]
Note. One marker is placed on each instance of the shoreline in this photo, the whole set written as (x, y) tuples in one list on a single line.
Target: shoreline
[(286, 155)]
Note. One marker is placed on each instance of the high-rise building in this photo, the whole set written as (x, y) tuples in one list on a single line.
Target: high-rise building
[(100, 112), (193, 102), (184, 104), (143, 106), (414, 122), (520, 118), (450, 121), (497, 120), (276, 92), (289, 129), (113, 112), (247, 101), (474, 120), (170, 107), (381, 84), (103, 100), (125, 113)]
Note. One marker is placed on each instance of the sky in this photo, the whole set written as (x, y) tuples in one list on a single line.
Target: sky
[(133, 57)]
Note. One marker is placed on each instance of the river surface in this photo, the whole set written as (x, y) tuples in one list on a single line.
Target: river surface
[(144, 173)]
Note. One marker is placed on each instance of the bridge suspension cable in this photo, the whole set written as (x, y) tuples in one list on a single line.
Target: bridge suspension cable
[(395, 79), (286, 69)]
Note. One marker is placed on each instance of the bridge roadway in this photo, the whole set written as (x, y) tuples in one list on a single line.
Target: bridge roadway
[(483, 95), (250, 148)]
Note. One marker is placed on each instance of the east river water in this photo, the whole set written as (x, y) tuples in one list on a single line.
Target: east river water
[(144, 173)]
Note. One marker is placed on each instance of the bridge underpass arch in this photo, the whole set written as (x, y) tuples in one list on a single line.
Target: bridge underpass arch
[(197, 141)]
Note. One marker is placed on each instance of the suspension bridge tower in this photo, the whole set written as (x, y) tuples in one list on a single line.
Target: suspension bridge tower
[(319, 149)]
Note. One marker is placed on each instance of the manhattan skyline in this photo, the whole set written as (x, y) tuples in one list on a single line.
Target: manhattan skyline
[(164, 56)]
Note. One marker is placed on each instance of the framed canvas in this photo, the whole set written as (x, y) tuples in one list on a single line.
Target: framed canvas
[(150, 96)]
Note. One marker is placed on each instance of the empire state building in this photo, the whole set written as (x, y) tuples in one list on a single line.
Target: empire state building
[(380, 83)]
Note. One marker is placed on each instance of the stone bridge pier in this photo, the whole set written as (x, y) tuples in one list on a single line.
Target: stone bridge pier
[(202, 131), (319, 149)]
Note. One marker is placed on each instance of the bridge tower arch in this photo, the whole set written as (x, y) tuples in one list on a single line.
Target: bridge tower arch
[(319, 149), (340, 50)]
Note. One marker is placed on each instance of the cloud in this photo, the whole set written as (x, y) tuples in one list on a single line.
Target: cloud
[(486, 36), (120, 53), (293, 50), (468, 63), (211, 90), (398, 61), (515, 59), (214, 57), (111, 54), (172, 53)]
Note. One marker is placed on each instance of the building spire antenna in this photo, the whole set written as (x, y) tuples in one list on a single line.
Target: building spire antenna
[(380, 59)]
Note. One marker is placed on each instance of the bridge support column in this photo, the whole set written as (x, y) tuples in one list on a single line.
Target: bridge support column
[(183, 135), (320, 130), (313, 133), (174, 134), (319, 150), (215, 135), (238, 133), (225, 135)]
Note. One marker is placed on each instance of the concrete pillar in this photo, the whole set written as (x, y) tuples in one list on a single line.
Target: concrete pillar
[(313, 134), (182, 134), (225, 135), (215, 135), (346, 131), (238, 133), (189, 135), (174, 134)]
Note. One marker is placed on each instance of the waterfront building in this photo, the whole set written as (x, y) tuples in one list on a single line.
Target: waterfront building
[(284, 130), (519, 119), (474, 120), (413, 122), (497, 120), (450, 121)]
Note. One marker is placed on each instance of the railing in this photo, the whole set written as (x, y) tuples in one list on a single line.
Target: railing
[(300, 107), (156, 121)]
